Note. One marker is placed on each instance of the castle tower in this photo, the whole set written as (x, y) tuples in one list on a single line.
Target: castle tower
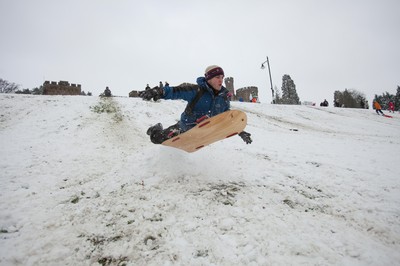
[(229, 86)]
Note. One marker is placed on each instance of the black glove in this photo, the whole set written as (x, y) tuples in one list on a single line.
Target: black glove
[(246, 137), (156, 93)]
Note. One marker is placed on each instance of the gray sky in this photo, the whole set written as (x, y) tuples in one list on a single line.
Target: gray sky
[(324, 45)]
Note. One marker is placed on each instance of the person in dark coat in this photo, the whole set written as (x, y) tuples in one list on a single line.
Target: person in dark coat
[(207, 98), (107, 92), (324, 103)]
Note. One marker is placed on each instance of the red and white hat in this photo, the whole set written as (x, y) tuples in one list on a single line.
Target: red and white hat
[(213, 71)]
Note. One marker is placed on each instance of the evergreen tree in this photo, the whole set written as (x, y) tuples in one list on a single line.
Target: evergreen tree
[(34, 91), (385, 98), (397, 100), (24, 91), (338, 98), (350, 99), (289, 94), (278, 97), (37, 90)]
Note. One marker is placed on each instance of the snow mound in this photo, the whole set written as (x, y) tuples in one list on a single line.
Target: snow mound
[(82, 184)]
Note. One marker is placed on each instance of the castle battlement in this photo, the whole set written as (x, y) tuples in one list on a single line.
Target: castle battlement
[(247, 93), (61, 88)]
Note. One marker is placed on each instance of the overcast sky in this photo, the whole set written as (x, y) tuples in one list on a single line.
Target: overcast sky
[(324, 45)]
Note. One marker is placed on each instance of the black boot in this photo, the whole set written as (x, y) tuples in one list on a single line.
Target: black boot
[(156, 133), (156, 127), (172, 131)]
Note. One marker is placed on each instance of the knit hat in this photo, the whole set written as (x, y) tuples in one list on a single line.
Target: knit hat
[(213, 71)]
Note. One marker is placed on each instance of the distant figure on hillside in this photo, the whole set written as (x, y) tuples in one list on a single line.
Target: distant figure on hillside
[(107, 92), (147, 87), (166, 84), (161, 85), (324, 103), (378, 108), (391, 107)]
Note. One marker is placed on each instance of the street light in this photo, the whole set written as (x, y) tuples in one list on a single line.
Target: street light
[(270, 78)]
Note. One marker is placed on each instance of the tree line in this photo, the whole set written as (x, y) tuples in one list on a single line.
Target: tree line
[(348, 98), (386, 98)]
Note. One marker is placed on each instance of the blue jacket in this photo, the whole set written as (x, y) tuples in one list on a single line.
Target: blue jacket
[(209, 103)]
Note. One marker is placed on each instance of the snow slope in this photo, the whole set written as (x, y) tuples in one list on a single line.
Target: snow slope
[(80, 186)]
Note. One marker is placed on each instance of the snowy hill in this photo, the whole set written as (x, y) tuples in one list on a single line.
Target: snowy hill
[(82, 186)]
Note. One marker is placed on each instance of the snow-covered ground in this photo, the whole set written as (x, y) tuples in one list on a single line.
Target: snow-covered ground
[(318, 186)]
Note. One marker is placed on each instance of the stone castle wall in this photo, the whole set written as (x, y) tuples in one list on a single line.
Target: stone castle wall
[(242, 94), (247, 93), (61, 88), (134, 94)]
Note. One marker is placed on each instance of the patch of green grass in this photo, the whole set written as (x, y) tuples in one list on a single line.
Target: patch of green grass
[(106, 105), (109, 106)]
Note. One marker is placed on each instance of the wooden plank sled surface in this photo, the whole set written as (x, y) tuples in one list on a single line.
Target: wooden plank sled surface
[(224, 125)]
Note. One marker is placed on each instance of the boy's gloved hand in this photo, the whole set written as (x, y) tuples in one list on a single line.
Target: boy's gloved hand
[(156, 93), (246, 137)]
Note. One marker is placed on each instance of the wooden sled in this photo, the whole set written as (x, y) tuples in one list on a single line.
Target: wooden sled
[(210, 130)]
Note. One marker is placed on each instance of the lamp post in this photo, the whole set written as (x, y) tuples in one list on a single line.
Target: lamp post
[(270, 78)]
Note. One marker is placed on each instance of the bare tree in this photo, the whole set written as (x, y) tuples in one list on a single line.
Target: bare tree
[(7, 87)]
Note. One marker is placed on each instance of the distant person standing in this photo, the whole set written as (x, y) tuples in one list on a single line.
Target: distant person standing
[(147, 87), (391, 107), (378, 108), (107, 92)]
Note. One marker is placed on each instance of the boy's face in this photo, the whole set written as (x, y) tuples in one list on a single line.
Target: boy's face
[(216, 82)]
